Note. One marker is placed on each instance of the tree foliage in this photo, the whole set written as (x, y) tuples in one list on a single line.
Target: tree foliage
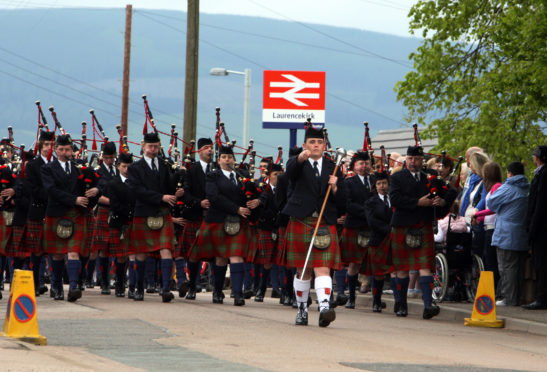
[(479, 75)]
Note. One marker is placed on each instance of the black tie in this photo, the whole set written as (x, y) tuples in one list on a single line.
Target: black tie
[(207, 168), (316, 169), (112, 173), (417, 177), (386, 201), (154, 168), (233, 179), (365, 181), (67, 168)]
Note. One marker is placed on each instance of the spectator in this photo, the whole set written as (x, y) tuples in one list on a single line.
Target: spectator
[(446, 169), (536, 222), (509, 202), (467, 174), (457, 224), (471, 199)]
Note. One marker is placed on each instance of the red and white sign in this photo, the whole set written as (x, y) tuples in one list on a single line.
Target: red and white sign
[(291, 97)]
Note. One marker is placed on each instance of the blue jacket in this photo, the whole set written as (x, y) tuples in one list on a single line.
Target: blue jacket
[(510, 202)]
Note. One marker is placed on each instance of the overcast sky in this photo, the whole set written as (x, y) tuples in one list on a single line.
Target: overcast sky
[(387, 16)]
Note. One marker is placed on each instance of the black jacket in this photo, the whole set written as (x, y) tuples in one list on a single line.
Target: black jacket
[(122, 202), (379, 219), (22, 201), (269, 209), (356, 196), (194, 192), (149, 188), (62, 189), (38, 195), (404, 193), (537, 207), (307, 195), (106, 177), (281, 196), (225, 197)]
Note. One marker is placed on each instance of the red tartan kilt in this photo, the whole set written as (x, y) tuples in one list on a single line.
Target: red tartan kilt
[(33, 237), (350, 251), (187, 237), (405, 258), (116, 246), (145, 240), (379, 261), (279, 255), (101, 231), (211, 241), (55, 245), (264, 247), (297, 241), (89, 235), (14, 248)]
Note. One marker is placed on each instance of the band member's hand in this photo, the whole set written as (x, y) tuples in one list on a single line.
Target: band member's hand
[(244, 212), (178, 221), (104, 200), (333, 183), (252, 204), (425, 201), (169, 199), (91, 193), (438, 202), (304, 155), (341, 220), (82, 201), (8, 193), (205, 204), (179, 193)]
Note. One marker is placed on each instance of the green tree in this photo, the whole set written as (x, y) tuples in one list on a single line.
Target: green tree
[(480, 75)]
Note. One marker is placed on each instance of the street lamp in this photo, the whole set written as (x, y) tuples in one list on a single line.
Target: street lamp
[(219, 71)]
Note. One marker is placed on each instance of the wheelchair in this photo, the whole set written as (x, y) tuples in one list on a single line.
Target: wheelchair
[(457, 269)]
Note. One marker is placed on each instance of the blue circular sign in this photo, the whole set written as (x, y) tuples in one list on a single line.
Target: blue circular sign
[(24, 308), (484, 305)]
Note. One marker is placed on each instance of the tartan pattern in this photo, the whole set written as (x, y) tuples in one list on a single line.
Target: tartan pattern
[(101, 230), (33, 236), (350, 251), (116, 246), (405, 258), (187, 237), (297, 241), (89, 235), (145, 240), (280, 252), (4, 231), (379, 259), (264, 247), (211, 241), (56, 245), (14, 248)]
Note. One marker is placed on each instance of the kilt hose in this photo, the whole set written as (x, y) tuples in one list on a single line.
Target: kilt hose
[(33, 236), (187, 237), (350, 252), (116, 246), (143, 239), (406, 258), (55, 245), (89, 235), (297, 241), (211, 241), (264, 248), (14, 246), (101, 232), (379, 259)]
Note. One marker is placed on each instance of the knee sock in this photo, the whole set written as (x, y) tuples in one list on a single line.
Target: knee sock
[(377, 287), (393, 286), (274, 277), (91, 270), (340, 277), (105, 272), (402, 288), (193, 268), (236, 273), (150, 269), (140, 275), (181, 273), (132, 274), (302, 291), (220, 277), (323, 289), (426, 284), (166, 270), (35, 264), (58, 266), (352, 284), (265, 279), (120, 275), (248, 278), (257, 270), (73, 270)]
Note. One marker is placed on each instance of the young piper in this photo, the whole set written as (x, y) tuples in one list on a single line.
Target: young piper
[(224, 234), (310, 174), (152, 227), (65, 222), (354, 240)]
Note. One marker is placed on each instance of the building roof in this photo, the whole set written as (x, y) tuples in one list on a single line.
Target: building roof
[(398, 140)]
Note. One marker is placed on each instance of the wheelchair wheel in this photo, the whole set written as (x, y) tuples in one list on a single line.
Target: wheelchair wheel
[(472, 276), (440, 278)]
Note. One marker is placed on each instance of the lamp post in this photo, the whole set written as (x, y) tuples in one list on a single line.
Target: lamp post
[(219, 71)]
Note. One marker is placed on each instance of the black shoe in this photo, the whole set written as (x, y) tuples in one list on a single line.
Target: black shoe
[(341, 299), (74, 294), (276, 293), (259, 296), (150, 289), (120, 291), (326, 316), (217, 298), (89, 284), (239, 300), (376, 307), (248, 294), (535, 306), (167, 296), (431, 311), (350, 304), (131, 293), (105, 290), (191, 295), (52, 292), (0, 295), (59, 295), (183, 289), (287, 301), (403, 310), (301, 316), (139, 296), (43, 289), (396, 307)]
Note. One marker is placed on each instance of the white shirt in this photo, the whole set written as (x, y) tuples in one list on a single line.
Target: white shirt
[(319, 163), (44, 159), (383, 198), (63, 165), (414, 175), (123, 178), (150, 160), (203, 166), (227, 174), (365, 180)]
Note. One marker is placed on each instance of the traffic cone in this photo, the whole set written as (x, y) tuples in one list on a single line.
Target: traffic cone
[(484, 309), (21, 319)]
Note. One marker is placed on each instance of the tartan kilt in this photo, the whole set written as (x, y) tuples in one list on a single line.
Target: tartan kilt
[(33, 236), (101, 231), (89, 235), (4, 234), (13, 247), (405, 258), (116, 246), (280, 252), (145, 240), (379, 260), (350, 251), (297, 241), (211, 241), (55, 245), (187, 237), (264, 247)]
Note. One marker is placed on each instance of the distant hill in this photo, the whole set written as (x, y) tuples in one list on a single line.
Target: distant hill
[(87, 45)]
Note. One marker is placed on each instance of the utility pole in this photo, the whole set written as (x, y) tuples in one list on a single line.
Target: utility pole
[(126, 64), (191, 82)]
